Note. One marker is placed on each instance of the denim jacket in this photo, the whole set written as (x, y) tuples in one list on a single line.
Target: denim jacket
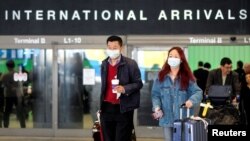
[(168, 96)]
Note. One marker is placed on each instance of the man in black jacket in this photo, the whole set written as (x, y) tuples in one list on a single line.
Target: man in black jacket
[(119, 101), (201, 77), (240, 71), (13, 95), (224, 76)]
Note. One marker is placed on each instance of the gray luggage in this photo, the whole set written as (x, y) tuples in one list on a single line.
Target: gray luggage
[(220, 95), (190, 128)]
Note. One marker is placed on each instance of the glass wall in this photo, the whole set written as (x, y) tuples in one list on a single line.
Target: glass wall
[(78, 100), (150, 61), (213, 54), (26, 88)]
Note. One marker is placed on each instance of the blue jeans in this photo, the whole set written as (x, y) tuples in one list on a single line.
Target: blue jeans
[(168, 133)]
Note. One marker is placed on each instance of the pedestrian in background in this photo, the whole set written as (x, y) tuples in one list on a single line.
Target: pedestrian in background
[(13, 95), (223, 76), (201, 77), (244, 105)]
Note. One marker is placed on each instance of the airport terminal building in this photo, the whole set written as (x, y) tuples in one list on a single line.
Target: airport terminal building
[(57, 42)]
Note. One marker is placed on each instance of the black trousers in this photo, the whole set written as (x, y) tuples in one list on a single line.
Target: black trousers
[(116, 126), (9, 103)]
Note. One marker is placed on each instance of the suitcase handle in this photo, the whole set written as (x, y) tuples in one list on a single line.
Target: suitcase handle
[(188, 110)]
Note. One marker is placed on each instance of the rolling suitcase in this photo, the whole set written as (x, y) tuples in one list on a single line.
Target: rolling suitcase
[(190, 128), (178, 126), (196, 129), (97, 129)]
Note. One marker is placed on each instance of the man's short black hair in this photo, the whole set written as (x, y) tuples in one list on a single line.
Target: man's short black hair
[(200, 64), (115, 38), (225, 61), (240, 64), (207, 65), (10, 64)]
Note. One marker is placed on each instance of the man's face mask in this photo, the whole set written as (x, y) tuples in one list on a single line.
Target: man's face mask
[(113, 53)]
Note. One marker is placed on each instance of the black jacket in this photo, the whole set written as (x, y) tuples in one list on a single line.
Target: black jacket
[(244, 105), (201, 78), (129, 76), (215, 78)]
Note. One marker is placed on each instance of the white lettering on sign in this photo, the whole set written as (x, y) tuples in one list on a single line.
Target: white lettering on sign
[(206, 14), (65, 15), (29, 40), (124, 15), (206, 40), (72, 40)]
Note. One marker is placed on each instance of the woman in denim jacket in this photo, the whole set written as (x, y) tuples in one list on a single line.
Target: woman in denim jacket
[(174, 86)]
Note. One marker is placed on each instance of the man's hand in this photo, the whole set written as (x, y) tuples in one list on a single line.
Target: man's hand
[(119, 89)]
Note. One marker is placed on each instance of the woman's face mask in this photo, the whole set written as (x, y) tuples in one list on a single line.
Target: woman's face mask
[(113, 53), (174, 62)]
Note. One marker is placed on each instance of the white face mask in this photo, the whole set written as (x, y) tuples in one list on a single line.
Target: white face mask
[(113, 53), (174, 62)]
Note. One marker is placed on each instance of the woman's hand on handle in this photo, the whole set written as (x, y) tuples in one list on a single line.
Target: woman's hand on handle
[(188, 104)]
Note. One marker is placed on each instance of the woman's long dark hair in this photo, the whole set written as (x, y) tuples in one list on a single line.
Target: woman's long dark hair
[(184, 73)]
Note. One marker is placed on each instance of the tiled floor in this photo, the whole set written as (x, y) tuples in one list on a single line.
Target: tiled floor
[(87, 120)]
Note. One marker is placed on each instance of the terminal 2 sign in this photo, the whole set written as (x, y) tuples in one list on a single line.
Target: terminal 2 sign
[(101, 17)]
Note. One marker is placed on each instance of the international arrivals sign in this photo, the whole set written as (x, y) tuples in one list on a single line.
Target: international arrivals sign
[(101, 17)]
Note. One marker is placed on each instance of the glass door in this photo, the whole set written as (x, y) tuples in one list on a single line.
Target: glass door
[(26, 88), (60, 88), (79, 86)]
